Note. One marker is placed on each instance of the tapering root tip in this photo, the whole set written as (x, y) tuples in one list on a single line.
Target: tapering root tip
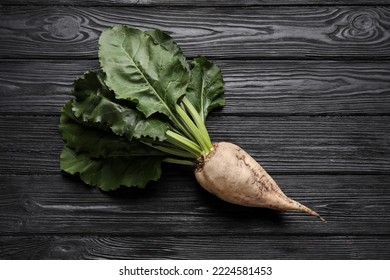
[(311, 212), (318, 216), (322, 219)]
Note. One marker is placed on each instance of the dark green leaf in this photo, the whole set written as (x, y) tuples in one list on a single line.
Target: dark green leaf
[(96, 142), (142, 71), (96, 104), (112, 172), (168, 43), (120, 112), (91, 83), (205, 91)]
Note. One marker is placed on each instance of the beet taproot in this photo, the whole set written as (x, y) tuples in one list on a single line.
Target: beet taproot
[(233, 175)]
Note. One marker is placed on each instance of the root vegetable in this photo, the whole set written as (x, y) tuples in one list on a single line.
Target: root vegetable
[(148, 105), (234, 176)]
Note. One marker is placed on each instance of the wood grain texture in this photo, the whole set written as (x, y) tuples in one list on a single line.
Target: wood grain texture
[(177, 205), (251, 87), (188, 3), (251, 32), (307, 93), (282, 145), (188, 247)]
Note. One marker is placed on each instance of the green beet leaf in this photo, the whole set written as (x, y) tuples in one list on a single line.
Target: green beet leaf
[(112, 172), (99, 143), (169, 44), (96, 104), (146, 106), (206, 87), (142, 71)]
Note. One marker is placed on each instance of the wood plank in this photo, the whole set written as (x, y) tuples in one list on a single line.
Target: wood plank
[(176, 205), (251, 32), (188, 247), (282, 145), (198, 3), (252, 87)]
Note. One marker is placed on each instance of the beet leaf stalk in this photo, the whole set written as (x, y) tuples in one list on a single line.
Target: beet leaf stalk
[(148, 105)]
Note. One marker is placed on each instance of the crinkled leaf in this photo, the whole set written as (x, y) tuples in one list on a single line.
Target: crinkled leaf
[(120, 108), (205, 91), (168, 43), (140, 70), (91, 83), (104, 159), (112, 172), (96, 142), (96, 104)]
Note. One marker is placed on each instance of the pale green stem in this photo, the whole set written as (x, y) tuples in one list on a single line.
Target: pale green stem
[(198, 121), (172, 151), (184, 143), (184, 130), (193, 129), (179, 161)]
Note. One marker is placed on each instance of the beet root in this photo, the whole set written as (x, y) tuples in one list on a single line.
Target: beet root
[(234, 176)]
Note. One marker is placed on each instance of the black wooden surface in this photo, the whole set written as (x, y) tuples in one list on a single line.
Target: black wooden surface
[(307, 94)]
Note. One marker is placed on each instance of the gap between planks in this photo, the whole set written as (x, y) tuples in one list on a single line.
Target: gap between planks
[(252, 88), (191, 4)]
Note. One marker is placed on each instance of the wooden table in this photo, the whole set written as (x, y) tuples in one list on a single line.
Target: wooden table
[(307, 94)]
